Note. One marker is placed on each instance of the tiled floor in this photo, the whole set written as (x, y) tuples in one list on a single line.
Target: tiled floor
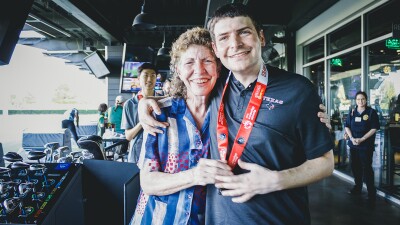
[(331, 205)]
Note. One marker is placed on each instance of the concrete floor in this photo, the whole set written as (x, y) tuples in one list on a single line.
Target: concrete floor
[(330, 204)]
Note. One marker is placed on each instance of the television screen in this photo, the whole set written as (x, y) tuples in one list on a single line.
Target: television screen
[(130, 80), (97, 64)]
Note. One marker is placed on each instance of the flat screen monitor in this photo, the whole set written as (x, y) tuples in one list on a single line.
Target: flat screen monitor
[(97, 64)]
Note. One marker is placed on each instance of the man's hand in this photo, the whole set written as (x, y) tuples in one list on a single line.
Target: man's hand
[(244, 186), (324, 117), (145, 108)]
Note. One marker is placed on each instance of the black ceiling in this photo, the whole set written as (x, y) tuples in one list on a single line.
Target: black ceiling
[(109, 22)]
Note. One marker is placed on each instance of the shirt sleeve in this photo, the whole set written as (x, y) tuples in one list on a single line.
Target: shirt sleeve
[(314, 135), (152, 148), (149, 158), (129, 117), (348, 120), (374, 120), (124, 120)]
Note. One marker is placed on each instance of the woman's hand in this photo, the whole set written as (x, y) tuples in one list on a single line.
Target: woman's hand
[(207, 169), (355, 141)]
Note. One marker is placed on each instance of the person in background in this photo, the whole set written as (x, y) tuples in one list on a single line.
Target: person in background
[(288, 147), (130, 122), (114, 114), (167, 86), (174, 165), (361, 126), (71, 116), (102, 119)]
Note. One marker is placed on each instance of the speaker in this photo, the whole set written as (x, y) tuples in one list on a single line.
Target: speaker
[(13, 14), (110, 190)]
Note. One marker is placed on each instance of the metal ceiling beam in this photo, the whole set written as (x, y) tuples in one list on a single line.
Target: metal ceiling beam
[(80, 15), (36, 21)]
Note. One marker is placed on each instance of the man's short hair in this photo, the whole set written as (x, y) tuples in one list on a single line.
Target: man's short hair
[(145, 66), (232, 10)]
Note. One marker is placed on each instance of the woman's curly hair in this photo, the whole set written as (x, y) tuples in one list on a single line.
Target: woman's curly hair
[(194, 36)]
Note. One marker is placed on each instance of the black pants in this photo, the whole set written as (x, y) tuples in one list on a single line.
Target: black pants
[(71, 126), (361, 166)]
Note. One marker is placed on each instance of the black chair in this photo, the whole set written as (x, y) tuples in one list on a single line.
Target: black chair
[(118, 150), (95, 138), (93, 145)]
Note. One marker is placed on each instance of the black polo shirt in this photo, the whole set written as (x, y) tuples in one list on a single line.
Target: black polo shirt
[(286, 133), (360, 124)]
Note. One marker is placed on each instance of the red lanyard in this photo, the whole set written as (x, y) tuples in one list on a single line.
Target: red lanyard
[(247, 123)]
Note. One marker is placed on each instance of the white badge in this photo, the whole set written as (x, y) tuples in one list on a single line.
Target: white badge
[(358, 119)]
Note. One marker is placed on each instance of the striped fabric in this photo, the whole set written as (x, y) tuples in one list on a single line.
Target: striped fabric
[(178, 149)]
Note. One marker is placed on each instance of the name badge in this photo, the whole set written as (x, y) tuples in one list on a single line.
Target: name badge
[(358, 119)]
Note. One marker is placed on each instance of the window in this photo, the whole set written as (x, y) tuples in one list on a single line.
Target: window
[(345, 81), (383, 82), (313, 51), (316, 74), (379, 21), (345, 37)]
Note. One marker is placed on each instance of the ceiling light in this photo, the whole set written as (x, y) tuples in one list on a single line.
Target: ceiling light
[(143, 21), (163, 51)]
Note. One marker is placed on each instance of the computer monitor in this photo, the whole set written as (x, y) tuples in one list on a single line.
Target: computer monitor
[(97, 64)]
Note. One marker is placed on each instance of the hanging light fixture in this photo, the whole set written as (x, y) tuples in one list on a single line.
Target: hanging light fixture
[(163, 51), (143, 21)]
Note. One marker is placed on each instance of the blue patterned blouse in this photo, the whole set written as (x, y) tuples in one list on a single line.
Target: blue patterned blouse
[(178, 149)]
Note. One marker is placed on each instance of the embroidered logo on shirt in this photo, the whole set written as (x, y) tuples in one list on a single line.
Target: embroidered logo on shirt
[(271, 102), (270, 106)]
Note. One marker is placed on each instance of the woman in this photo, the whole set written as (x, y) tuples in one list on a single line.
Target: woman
[(174, 168), (361, 125)]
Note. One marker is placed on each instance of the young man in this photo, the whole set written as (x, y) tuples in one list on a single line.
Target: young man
[(130, 122), (267, 131), (288, 147)]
